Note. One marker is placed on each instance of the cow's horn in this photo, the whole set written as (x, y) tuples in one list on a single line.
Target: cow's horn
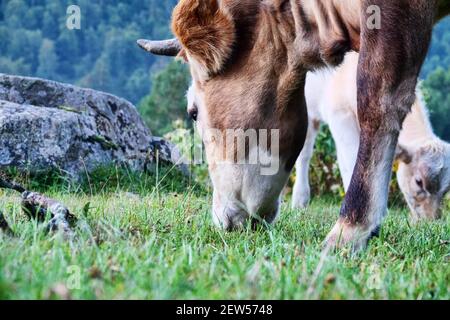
[(169, 48)]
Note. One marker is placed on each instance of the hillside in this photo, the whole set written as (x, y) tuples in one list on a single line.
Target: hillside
[(34, 41)]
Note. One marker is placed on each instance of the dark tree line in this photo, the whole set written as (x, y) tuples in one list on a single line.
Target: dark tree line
[(35, 41)]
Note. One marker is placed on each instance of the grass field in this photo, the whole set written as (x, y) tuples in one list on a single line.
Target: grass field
[(151, 237)]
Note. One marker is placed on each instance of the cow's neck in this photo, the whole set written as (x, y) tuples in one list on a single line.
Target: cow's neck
[(332, 27), (417, 129)]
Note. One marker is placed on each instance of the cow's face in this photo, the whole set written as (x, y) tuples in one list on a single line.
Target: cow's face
[(248, 104), (248, 61), (247, 170), (247, 99), (424, 178)]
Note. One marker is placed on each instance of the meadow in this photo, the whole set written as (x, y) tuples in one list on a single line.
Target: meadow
[(150, 236)]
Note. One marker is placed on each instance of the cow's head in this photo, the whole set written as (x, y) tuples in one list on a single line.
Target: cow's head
[(424, 178), (247, 82)]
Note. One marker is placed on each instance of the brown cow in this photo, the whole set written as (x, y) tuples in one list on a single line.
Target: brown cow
[(249, 61)]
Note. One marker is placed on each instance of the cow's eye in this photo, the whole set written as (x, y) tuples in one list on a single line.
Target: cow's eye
[(193, 113), (419, 182)]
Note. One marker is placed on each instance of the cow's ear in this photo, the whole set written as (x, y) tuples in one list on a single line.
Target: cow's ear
[(403, 154), (206, 31)]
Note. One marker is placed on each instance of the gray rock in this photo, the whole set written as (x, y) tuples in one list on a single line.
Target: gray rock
[(45, 124)]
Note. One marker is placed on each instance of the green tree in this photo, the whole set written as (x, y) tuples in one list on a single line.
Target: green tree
[(15, 10), (13, 67), (167, 100), (437, 95), (102, 55), (439, 53), (48, 61), (100, 76)]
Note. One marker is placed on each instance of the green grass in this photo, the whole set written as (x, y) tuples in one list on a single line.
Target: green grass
[(138, 241)]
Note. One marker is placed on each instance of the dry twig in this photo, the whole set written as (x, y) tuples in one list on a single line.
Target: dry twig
[(38, 206)]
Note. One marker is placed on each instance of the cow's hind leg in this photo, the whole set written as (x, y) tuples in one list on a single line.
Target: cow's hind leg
[(345, 130), (390, 61), (301, 195)]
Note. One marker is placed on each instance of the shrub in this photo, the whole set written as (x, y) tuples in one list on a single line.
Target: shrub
[(167, 100), (324, 174)]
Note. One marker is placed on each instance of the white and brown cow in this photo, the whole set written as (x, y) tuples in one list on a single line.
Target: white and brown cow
[(424, 171), (249, 60)]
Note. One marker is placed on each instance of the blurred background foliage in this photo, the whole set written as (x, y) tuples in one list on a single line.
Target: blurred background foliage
[(34, 41), (165, 106), (436, 89), (103, 55)]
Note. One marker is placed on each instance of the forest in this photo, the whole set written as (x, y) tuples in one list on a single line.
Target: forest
[(102, 55)]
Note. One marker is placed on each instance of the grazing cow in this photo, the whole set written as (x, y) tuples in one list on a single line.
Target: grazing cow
[(249, 61), (424, 171)]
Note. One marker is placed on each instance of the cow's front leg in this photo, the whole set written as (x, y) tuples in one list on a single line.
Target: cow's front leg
[(366, 200), (390, 61)]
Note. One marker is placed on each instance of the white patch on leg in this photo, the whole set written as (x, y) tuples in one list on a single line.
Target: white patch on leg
[(301, 194), (344, 234)]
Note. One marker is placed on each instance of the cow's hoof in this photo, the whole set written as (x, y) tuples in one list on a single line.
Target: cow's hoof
[(300, 205), (300, 201), (346, 235)]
